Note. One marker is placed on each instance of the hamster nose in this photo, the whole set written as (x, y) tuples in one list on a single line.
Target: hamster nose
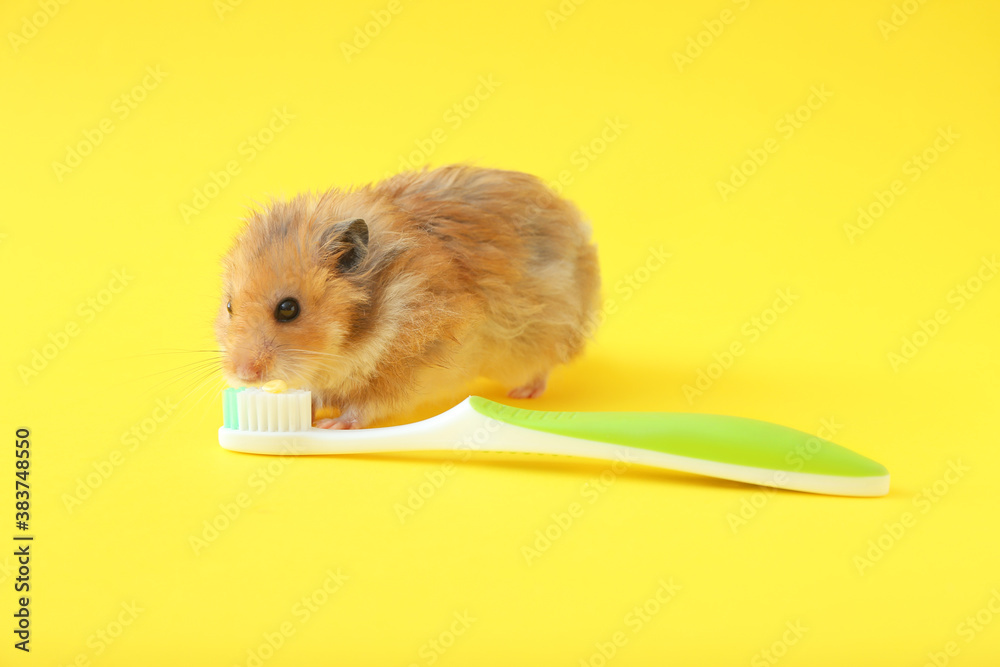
[(250, 371)]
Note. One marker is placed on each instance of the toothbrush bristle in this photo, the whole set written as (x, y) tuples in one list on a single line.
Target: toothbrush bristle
[(251, 409)]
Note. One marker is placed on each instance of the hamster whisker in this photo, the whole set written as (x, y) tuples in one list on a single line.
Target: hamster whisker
[(214, 392), (214, 396), (204, 369), (318, 375), (329, 366), (322, 363), (316, 353), (200, 362), (177, 351), (169, 376), (190, 367), (199, 387)]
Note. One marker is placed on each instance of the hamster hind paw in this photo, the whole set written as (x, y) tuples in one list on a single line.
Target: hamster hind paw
[(533, 389)]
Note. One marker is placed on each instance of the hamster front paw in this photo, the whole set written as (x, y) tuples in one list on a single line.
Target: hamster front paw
[(349, 418), (340, 423)]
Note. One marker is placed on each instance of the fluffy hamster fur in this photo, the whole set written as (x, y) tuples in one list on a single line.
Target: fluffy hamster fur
[(408, 287)]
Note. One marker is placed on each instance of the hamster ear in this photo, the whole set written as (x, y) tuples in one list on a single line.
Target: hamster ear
[(346, 243)]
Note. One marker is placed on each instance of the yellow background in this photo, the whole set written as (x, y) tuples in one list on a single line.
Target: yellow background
[(682, 128)]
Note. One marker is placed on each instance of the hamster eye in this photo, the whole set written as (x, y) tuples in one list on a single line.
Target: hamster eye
[(287, 310), (229, 307)]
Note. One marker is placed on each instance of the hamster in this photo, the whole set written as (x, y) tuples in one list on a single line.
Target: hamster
[(380, 297)]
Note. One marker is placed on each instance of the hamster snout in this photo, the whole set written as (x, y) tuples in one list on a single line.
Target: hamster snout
[(379, 297), (251, 365)]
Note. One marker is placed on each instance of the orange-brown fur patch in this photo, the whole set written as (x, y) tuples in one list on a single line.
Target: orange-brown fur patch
[(468, 272)]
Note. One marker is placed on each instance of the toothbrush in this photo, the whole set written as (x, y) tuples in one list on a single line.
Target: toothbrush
[(735, 448)]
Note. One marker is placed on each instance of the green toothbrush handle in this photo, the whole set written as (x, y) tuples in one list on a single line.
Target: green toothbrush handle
[(734, 441)]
